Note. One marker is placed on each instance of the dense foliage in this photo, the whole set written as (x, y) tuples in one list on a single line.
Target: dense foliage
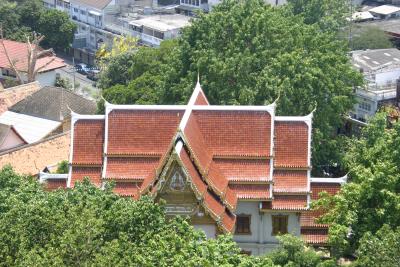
[(372, 199), (87, 226), (19, 19), (247, 53)]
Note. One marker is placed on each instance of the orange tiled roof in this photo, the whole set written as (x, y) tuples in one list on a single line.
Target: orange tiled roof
[(33, 158), (79, 173), (235, 132), (244, 170), (290, 181), (315, 236), (134, 168), (18, 53), (251, 191), (289, 202), (226, 151), (88, 142), (291, 144), (127, 189)]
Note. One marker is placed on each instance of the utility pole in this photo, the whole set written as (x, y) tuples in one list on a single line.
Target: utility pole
[(73, 71)]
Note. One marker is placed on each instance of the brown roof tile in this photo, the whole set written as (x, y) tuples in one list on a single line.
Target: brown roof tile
[(235, 133), (290, 181), (93, 173), (138, 132), (11, 96), (136, 168), (33, 158), (18, 53), (251, 191), (88, 142), (244, 170), (291, 144)]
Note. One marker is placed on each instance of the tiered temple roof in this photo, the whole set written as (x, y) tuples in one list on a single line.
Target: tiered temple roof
[(228, 153)]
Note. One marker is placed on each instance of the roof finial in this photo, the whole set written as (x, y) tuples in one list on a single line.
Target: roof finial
[(198, 86), (277, 99)]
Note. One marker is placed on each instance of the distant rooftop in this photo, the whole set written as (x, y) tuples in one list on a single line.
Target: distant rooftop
[(53, 103), (391, 26), (10, 96), (372, 60), (99, 4), (163, 23), (385, 9), (18, 53)]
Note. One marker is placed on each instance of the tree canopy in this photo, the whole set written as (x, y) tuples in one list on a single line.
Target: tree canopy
[(249, 53), (87, 226), (19, 20), (371, 200)]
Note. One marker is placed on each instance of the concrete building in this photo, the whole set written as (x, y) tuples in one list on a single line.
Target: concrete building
[(385, 12), (381, 69), (206, 164)]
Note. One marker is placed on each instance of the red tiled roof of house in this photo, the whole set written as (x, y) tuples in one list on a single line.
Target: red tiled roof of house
[(18, 53), (201, 186), (141, 132), (131, 168), (195, 141), (213, 205), (289, 202), (56, 184), (315, 236), (79, 173), (228, 222), (235, 132), (127, 189), (291, 144), (290, 181), (251, 191), (244, 170), (88, 142)]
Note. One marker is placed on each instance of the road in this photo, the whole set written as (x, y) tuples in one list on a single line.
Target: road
[(83, 85)]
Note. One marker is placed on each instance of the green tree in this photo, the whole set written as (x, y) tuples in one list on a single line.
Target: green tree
[(87, 226), (328, 14), (62, 167), (292, 251), (379, 250), (57, 28), (372, 198), (9, 19), (370, 37)]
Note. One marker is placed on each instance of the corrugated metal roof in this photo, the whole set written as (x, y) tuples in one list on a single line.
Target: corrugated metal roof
[(31, 128)]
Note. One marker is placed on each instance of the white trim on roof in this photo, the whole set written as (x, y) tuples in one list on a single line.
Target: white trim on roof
[(340, 180), (75, 117), (30, 128), (44, 176), (110, 107), (268, 108)]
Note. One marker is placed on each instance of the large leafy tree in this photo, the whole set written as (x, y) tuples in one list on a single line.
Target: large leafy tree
[(57, 28), (250, 53), (86, 226), (19, 19), (372, 198)]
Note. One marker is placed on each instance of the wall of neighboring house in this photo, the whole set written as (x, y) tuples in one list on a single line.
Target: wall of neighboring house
[(389, 76), (44, 78), (261, 240), (12, 140)]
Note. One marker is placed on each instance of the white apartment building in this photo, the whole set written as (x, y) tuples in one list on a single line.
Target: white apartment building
[(381, 69)]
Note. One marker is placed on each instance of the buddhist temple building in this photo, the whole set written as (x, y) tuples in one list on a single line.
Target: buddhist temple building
[(231, 169)]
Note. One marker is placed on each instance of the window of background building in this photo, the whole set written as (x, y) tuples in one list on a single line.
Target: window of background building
[(279, 224), (243, 224)]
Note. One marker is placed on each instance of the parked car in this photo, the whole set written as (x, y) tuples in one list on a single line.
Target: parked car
[(82, 68), (93, 74)]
